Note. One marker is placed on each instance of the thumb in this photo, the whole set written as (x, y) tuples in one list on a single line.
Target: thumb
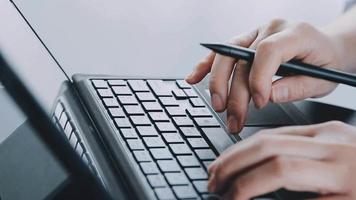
[(295, 88)]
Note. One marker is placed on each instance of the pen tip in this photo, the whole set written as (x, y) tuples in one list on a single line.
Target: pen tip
[(209, 45), (204, 45)]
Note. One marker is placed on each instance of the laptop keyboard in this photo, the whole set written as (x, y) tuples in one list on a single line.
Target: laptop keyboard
[(63, 120), (166, 126)]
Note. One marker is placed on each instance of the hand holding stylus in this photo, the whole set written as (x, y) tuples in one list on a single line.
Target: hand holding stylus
[(276, 43)]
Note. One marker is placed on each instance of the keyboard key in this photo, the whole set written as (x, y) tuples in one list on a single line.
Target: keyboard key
[(58, 111), (188, 161), (190, 131), (190, 93), (207, 164), (166, 127), (183, 121), (100, 84), (196, 173), (145, 96), (185, 192), (122, 90), (177, 178), (63, 120), (147, 131), (205, 154), (219, 138), (116, 112), (180, 149), (164, 193), (201, 186), (176, 111), (207, 122), (156, 180), (168, 165), (182, 84), (73, 140), (142, 156), (68, 130), (110, 102), (179, 94), (128, 133), (127, 100), (196, 102), (152, 106), (161, 153), (117, 82), (80, 149), (138, 85), (135, 144), (169, 101), (153, 142), (159, 88), (159, 116), (105, 92), (140, 120), (199, 112), (149, 168), (172, 137), (198, 143), (134, 110), (122, 122)]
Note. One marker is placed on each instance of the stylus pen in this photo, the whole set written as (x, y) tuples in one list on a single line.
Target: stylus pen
[(288, 68)]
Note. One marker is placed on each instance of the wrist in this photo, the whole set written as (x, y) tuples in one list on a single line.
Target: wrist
[(344, 47), (340, 52), (343, 55), (347, 47)]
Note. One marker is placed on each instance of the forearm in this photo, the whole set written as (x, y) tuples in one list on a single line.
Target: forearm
[(343, 31)]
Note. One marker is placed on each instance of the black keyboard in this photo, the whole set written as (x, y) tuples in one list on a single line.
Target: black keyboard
[(63, 120), (167, 127)]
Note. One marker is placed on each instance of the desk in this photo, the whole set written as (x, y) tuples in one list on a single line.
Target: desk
[(139, 27)]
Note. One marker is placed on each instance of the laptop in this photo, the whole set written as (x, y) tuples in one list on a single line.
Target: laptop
[(153, 138)]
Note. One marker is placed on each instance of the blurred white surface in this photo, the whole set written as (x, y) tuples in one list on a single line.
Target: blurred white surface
[(140, 37), (157, 37)]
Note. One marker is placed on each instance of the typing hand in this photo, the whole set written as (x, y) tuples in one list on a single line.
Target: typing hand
[(316, 158), (275, 43)]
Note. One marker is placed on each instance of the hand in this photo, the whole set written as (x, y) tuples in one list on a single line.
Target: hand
[(275, 43), (316, 158)]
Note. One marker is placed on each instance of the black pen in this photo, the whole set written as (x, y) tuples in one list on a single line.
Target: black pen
[(288, 68)]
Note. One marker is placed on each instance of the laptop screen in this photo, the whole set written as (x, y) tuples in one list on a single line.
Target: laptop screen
[(28, 56), (42, 78)]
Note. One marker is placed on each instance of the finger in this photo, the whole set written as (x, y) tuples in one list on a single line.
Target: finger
[(260, 148), (221, 73), (305, 130), (270, 53), (296, 88), (201, 70), (294, 174), (239, 97)]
